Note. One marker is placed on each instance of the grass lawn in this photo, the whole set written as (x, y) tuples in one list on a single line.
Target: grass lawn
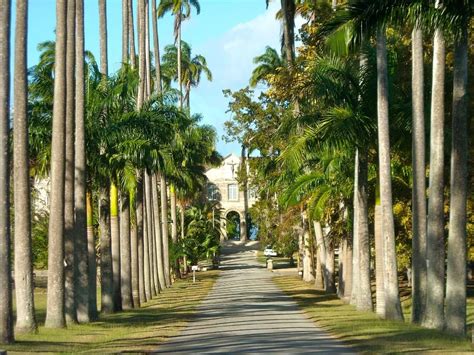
[(139, 330), (364, 330)]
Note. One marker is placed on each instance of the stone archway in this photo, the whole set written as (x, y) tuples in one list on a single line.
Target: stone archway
[(242, 227)]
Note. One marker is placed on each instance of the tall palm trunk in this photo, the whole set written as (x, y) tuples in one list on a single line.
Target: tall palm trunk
[(187, 96), (103, 37), (147, 50), (364, 299), (125, 252), (379, 255), (178, 20), (153, 251), (144, 285), (288, 11), (158, 234), (106, 271), (80, 227), (308, 261), (348, 269), (434, 312), (393, 309), (6, 313), (141, 256), (24, 287), (106, 275), (174, 230), (115, 244), (125, 31), (146, 248), (91, 259), (330, 284), (69, 243), (55, 300), (355, 236), (341, 262), (321, 274), (131, 34), (456, 279), (174, 214), (156, 48), (318, 276), (151, 237), (419, 181), (164, 217), (134, 245)]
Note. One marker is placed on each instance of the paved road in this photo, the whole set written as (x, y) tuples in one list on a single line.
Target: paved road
[(246, 312)]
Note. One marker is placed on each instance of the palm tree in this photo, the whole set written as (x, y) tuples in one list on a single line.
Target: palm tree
[(268, 63), (288, 9), (364, 18), (143, 198), (287, 16), (69, 272), (25, 319), (103, 36), (141, 249), (156, 48), (393, 308), (152, 237), (104, 195), (134, 247), (55, 300), (131, 34), (435, 248), (165, 232), (125, 31), (125, 252), (419, 179), (181, 9), (198, 66), (83, 288), (158, 232), (456, 269), (115, 244), (192, 68), (6, 314), (91, 258)]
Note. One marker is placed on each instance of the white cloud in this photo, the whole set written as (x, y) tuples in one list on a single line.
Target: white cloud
[(230, 57)]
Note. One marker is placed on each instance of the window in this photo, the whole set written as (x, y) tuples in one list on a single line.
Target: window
[(232, 192), (212, 192)]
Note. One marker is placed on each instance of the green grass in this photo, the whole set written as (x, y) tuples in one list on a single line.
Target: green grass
[(364, 331), (139, 330)]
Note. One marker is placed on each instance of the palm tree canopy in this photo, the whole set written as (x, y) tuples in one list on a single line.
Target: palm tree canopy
[(177, 6), (268, 63), (192, 68)]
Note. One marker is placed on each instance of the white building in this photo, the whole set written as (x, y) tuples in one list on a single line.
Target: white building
[(224, 187)]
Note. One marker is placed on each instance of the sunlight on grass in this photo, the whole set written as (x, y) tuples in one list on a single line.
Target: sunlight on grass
[(364, 330), (139, 330)]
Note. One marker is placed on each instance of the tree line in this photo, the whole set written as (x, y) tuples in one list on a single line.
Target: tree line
[(121, 153), (358, 157)]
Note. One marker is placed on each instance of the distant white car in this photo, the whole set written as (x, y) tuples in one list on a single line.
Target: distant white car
[(269, 251)]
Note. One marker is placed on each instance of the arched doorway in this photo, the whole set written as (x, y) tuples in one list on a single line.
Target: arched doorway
[(233, 227)]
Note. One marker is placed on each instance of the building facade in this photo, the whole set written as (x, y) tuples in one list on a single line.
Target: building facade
[(224, 188)]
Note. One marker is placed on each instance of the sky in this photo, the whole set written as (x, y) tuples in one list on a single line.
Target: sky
[(229, 33)]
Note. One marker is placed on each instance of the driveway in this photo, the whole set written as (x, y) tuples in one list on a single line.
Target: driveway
[(246, 312)]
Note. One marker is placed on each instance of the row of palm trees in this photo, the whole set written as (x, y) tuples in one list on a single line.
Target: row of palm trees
[(115, 142), (352, 110)]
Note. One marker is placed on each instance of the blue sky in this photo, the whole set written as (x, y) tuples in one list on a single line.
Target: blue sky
[(229, 33)]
